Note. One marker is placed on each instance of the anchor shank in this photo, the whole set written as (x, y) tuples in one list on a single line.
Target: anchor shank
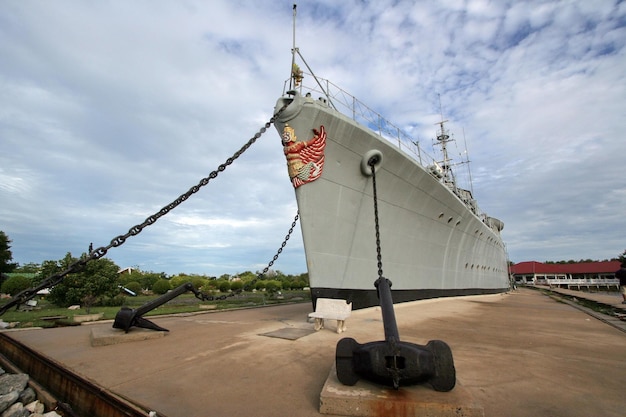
[(157, 302), (383, 285), (127, 317)]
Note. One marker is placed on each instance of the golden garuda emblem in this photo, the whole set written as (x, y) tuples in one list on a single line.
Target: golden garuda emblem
[(305, 159)]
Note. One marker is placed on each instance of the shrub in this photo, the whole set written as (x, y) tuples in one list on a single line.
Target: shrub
[(273, 286), (211, 285), (198, 282), (179, 280), (161, 286), (116, 301), (224, 286), (236, 285), (15, 284), (298, 285), (134, 286)]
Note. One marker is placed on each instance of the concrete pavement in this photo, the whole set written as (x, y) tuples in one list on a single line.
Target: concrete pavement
[(518, 354)]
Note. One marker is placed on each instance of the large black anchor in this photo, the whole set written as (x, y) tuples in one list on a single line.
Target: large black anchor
[(392, 362), (128, 317)]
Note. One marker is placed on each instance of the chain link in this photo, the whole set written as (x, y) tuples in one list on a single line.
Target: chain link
[(98, 253)]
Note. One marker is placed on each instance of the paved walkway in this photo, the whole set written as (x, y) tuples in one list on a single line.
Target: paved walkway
[(521, 354)]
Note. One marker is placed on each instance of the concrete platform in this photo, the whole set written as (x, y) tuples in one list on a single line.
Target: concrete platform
[(521, 354), (366, 399)]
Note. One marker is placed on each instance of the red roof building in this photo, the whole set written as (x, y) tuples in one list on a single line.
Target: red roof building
[(577, 275)]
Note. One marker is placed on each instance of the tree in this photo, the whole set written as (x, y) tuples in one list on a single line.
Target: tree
[(304, 277), (145, 279), (5, 254), (29, 268), (150, 278), (96, 282)]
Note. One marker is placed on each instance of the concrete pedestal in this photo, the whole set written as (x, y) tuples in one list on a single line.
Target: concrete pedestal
[(103, 336), (368, 399)]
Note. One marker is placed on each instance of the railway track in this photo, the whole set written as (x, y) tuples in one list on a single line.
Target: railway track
[(61, 389)]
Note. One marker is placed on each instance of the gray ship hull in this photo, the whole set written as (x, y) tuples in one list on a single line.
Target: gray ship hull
[(432, 243)]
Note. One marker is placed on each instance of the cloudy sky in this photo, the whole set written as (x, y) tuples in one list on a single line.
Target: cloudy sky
[(111, 110)]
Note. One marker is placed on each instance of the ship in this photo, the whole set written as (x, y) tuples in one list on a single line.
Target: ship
[(433, 240)]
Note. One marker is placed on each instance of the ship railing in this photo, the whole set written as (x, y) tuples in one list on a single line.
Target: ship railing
[(352, 107), (349, 105)]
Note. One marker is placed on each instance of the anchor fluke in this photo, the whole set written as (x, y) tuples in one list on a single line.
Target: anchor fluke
[(403, 365), (127, 317)]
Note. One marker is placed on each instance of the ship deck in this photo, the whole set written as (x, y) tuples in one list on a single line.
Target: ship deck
[(516, 354)]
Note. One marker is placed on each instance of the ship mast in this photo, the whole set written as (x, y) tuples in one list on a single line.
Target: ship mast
[(294, 49), (296, 73), (443, 138)]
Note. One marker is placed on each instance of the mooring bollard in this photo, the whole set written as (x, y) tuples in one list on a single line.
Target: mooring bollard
[(392, 362)]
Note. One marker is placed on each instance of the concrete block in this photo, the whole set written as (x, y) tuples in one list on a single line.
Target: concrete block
[(81, 318), (103, 336), (367, 399)]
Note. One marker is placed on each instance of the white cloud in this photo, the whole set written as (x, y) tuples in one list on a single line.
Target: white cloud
[(109, 111)]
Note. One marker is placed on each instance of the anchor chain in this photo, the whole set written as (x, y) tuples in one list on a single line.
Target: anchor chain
[(280, 250), (98, 253), (389, 320), (205, 297), (372, 163)]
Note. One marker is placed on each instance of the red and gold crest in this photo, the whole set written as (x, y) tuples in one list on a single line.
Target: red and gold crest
[(305, 159)]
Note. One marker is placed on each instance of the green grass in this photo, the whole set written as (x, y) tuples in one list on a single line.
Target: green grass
[(46, 314)]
